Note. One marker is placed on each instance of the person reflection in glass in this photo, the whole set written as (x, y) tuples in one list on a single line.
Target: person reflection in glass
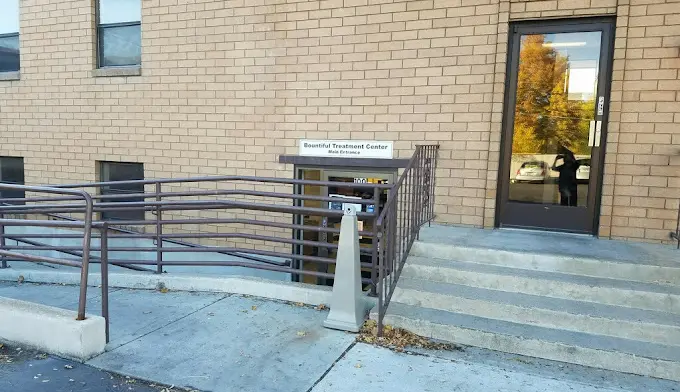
[(567, 183)]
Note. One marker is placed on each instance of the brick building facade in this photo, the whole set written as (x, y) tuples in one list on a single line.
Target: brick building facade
[(227, 87)]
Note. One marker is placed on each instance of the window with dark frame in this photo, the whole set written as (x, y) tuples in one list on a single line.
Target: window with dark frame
[(119, 33), (11, 172), (9, 36), (122, 171)]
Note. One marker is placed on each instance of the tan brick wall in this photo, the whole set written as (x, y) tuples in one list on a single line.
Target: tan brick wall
[(539, 9), (646, 161), (227, 87)]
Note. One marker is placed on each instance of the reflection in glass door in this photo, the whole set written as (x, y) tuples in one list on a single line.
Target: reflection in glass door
[(554, 124)]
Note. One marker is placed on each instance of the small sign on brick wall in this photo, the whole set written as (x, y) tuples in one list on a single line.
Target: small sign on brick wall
[(347, 149)]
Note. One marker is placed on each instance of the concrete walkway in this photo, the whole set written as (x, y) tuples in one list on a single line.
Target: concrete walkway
[(223, 343)]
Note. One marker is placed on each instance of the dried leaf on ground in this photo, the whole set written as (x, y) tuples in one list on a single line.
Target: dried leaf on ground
[(358, 366), (321, 307), (302, 333), (253, 307), (299, 304), (398, 338), (164, 290)]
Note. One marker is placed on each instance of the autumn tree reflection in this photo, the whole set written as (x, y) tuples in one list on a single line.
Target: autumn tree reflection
[(546, 119)]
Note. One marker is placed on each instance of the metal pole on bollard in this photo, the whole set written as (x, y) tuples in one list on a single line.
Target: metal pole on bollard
[(348, 308)]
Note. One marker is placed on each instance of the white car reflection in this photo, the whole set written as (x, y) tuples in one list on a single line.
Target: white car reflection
[(583, 172), (532, 171)]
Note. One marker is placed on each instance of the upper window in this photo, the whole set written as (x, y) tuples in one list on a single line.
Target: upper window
[(119, 171), (119, 32), (11, 172), (9, 35)]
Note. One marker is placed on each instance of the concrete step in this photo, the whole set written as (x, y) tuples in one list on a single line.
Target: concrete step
[(605, 352), (644, 267), (640, 295), (635, 324)]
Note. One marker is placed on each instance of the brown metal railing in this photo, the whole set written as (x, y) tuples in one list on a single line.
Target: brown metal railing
[(410, 206), (159, 235), (676, 234), (9, 251), (166, 210), (256, 220)]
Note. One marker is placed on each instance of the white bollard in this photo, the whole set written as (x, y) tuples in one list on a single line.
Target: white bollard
[(347, 305)]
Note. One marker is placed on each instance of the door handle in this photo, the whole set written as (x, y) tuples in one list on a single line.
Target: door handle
[(591, 134), (598, 133)]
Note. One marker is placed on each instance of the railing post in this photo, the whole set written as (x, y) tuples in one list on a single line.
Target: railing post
[(420, 205), (3, 259), (84, 269), (429, 172), (104, 264), (394, 239), (677, 227), (374, 241), (415, 191), (159, 232), (434, 179), (381, 284)]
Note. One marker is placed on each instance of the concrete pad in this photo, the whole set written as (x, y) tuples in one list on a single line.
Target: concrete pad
[(51, 329), (542, 368), (370, 368), (238, 343), (135, 313), (551, 243)]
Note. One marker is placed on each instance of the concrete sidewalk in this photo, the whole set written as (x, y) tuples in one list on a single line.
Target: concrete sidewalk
[(222, 343)]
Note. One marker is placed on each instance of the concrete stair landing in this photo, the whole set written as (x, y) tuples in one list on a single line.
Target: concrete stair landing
[(606, 304)]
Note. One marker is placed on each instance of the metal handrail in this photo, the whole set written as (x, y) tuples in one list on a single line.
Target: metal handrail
[(132, 234), (270, 180), (188, 212), (85, 224), (675, 235), (410, 206), (157, 202), (395, 225)]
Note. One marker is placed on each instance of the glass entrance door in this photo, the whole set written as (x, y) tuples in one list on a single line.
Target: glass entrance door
[(554, 125)]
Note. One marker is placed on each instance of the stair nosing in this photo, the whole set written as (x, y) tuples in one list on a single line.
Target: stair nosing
[(581, 280), (504, 298), (418, 311), (669, 265)]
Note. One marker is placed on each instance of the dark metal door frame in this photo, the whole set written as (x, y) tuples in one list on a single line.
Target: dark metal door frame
[(511, 214)]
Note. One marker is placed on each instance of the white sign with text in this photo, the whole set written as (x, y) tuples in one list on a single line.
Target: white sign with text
[(347, 149)]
